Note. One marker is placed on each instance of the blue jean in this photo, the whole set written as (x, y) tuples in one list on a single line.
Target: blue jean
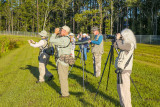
[(85, 53)]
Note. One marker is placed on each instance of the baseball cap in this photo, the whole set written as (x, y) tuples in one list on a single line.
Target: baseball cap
[(95, 28), (66, 28)]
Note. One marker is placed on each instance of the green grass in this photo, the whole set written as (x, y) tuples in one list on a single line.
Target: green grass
[(19, 72)]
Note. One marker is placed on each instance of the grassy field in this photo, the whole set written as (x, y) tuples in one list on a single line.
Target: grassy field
[(19, 73)]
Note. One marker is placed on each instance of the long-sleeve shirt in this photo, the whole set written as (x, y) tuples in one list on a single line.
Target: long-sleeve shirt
[(99, 40), (122, 46), (37, 44), (63, 45)]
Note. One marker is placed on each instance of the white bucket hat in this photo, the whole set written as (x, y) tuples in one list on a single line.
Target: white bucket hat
[(84, 34), (71, 34), (43, 33)]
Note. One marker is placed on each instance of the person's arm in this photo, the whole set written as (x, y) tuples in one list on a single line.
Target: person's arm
[(62, 41), (37, 44), (98, 41), (122, 46)]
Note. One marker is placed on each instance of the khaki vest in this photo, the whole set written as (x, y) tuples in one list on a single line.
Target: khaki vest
[(98, 49), (123, 57)]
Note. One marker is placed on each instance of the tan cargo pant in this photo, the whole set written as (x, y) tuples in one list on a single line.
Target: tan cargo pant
[(43, 61), (97, 64), (63, 78), (124, 91)]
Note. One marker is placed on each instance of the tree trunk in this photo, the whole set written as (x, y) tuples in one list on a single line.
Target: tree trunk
[(37, 18), (111, 16), (127, 18), (100, 10), (33, 24), (12, 16), (73, 19)]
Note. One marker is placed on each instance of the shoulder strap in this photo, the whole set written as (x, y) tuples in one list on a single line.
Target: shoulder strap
[(45, 46), (67, 45), (128, 61)]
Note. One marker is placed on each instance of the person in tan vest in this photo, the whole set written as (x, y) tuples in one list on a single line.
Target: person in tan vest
[(97, 50), (43, 57), (126, 42)]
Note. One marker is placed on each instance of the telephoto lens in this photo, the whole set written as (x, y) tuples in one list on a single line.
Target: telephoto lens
[(111, 36)]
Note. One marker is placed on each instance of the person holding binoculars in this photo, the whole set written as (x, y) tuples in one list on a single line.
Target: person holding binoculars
[(126, 42)]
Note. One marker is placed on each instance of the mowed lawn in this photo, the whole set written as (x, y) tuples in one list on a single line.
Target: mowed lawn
[(19, 73)]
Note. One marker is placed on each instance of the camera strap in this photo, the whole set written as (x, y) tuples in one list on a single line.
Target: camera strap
[(128, 61)]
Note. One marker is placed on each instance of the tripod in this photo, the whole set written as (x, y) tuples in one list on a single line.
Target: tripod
[(119, 80), (83, 63)]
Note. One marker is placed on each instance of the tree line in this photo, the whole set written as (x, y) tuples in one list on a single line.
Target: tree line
[(142, 16)]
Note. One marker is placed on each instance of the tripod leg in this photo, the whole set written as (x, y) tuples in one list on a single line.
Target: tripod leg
[(111, 58), (70, 69), (135, 87), (78, 54), (103, 73), (85, 69)]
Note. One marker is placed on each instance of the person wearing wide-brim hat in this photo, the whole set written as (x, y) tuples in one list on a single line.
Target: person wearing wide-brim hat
[(64, 48), (43, 57), (97, 50)]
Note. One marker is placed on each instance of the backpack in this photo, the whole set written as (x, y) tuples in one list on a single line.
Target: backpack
[(49, 50)]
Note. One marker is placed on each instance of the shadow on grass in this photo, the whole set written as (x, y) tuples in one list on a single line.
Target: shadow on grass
[(80, 67), (34, 70), (86, 103), (92, 89), (53, 65)]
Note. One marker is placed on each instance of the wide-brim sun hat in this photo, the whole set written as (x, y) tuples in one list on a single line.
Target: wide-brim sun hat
[(43, 33)]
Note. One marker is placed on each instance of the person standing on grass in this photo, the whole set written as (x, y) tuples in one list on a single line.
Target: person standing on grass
[(64, 48), (73, 40), (84, 38), (97, 50), (43, 57), (126, 42)]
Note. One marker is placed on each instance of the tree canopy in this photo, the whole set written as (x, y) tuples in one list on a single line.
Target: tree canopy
[(142, 16)]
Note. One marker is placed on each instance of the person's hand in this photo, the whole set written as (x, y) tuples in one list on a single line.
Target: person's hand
[(57, 31), (118, 35), (89, 41), (32, 41), (78, 36)]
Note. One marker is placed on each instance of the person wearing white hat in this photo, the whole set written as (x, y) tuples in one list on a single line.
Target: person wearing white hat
[(84, 38), (71, 35), (43, 57), (64, 48)]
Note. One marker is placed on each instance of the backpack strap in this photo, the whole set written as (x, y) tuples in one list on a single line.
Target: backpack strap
[(44, 46), (68, 44)]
